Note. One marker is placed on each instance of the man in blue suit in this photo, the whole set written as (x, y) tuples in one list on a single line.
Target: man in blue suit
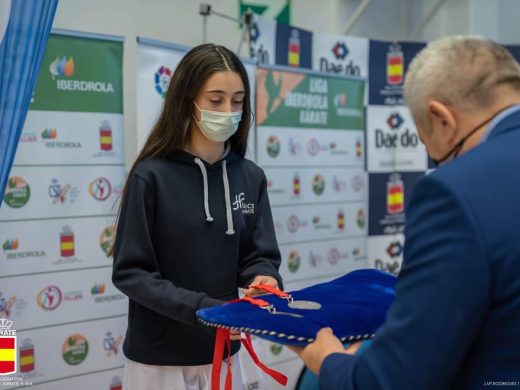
[(455, 321)]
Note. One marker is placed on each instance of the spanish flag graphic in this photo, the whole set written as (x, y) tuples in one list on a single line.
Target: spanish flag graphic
[(395, 196), (394, 65), (67, 243), (7, 355), (26, 358), (105, 139)]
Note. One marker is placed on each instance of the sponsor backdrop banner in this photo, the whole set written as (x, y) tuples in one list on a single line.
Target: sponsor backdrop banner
[(311, 146), (57, 219), (396, 159), (157, 61)]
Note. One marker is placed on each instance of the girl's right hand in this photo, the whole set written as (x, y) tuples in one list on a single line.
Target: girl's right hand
[(235, 335)]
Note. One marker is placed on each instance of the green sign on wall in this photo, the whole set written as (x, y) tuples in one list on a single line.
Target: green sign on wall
[(296, 99), (280, 10), (78, 75)]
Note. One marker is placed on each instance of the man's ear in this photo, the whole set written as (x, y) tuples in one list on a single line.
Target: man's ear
[(443, 121)]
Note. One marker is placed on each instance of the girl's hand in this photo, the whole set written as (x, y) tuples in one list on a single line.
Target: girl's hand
[(260, 279)]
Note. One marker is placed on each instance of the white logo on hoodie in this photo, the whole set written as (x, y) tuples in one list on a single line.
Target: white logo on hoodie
[(247, 208)]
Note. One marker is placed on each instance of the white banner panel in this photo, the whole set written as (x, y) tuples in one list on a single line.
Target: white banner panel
[(46, 299), (322, 258), (340, 54), (291, 186), (65, 191), (393, 143), (55, 245), (386, 253), (74, 349), (302, 223), (293, 146), (263, 40), (71, 138)]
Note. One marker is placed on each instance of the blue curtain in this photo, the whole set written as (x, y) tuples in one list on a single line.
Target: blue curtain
[(21, 53)]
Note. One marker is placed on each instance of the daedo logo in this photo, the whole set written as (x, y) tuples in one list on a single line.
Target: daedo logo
[(394, 249), (342, 64), (398, 136)]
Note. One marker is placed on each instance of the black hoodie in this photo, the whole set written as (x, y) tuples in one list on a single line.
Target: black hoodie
[(188, 235)]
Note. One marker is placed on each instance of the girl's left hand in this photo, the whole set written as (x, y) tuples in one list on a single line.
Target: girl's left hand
[(260, 279)]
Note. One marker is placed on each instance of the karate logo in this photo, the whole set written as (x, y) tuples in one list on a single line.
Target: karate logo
[(7, 347), (240, 204)]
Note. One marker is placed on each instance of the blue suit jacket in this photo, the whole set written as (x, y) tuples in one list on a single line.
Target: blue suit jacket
[(455, 322)]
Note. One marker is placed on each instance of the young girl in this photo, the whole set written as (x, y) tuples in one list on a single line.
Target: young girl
[(195, 223)]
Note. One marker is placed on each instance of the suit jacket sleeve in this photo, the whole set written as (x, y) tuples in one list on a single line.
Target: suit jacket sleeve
[(262, 255), (441, 297)]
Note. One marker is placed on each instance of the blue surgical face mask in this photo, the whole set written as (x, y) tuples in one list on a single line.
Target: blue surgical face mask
[(218, 126)]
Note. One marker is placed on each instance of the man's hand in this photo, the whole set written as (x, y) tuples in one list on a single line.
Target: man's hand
[(326, 343), (260, 279)]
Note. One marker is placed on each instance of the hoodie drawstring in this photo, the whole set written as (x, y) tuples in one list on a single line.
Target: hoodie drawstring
[(209, 218), (229, 215)]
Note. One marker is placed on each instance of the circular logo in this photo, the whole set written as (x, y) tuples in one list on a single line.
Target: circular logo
[(162, 80), (357, 183), (293, 262), (333, 256), (276, 349), (360, 219), (74, 349), (49, 298), (318, 184), (313, 147), (314, 259), (17, 192), (100, 188), (106, 239), (273, 146), (293, 224)]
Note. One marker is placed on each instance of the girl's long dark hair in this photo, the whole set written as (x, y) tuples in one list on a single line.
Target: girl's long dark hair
[(171, 132)]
